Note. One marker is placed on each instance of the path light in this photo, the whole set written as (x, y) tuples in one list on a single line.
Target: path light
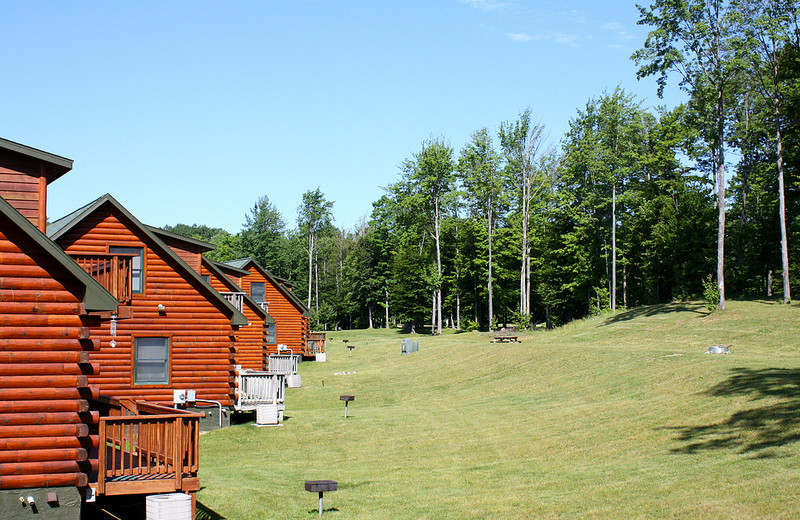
[(350, 348), (346, 399), (320, 486)]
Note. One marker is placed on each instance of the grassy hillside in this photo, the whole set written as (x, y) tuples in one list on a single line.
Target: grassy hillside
[(620, 416)]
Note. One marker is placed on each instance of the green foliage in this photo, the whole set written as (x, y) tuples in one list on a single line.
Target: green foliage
[(711, 293)]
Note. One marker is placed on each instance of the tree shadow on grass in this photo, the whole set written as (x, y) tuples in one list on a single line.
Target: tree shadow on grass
[(757, 431), (654, 310), (206, 513)]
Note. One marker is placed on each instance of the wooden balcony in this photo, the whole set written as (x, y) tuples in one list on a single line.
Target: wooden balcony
[(113, 271), (236, 299), (146, 448), (315, 344), (286, 364), (257, 387)]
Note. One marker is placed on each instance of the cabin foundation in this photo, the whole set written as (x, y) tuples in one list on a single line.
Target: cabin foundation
[(66, 506)]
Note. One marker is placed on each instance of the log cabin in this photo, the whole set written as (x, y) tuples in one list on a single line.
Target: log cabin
[(46, 305), (250, 348), (291, 315), (177, 332), (51, 419)]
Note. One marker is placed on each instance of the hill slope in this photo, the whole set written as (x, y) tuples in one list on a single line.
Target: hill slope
[(612, 417)]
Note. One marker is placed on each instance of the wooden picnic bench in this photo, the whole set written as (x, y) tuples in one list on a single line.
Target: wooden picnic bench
[(505, 338)]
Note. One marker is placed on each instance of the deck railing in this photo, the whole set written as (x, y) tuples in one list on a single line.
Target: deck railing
[(315, 344), (146, 448), (286, 364), (112, 270), (236, 299), (256, 387), (265, 306)]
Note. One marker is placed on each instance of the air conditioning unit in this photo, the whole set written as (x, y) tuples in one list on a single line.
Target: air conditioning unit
[(266, 414), (171, 506), (293, 381)]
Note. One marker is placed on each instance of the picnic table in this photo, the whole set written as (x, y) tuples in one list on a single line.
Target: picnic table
[(505, 338)]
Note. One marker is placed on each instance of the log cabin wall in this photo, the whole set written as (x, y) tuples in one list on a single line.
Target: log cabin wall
[(199, 334), (25, 173), (21, 190), (291, 325), (44, 390), (250, 347)]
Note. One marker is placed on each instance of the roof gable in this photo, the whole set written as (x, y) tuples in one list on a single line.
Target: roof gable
[(61, 226), (213, 267), (243, 263), (26, 159), (95, 297)]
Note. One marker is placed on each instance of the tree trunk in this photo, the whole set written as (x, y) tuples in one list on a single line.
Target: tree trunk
[(787, 292), (490, 227), (386, 295), (614, 247), (310, 262)]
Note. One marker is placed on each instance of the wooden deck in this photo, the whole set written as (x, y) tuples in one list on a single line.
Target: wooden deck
[(146, 448), (315, 344)]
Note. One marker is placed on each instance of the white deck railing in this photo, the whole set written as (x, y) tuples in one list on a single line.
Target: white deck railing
[(286, 364), (235, 298), (257, 388)]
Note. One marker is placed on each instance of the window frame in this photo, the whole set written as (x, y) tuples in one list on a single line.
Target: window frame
[(130, 250), (264, 286), (168, 361)]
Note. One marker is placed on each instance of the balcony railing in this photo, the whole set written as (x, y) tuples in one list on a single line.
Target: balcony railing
[(286, 364), (236, 299), (315, 344), (112, 270), (256, 387), (265, 306), (146, 448)]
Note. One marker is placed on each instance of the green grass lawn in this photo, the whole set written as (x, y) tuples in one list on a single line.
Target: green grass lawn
[(620, 416)]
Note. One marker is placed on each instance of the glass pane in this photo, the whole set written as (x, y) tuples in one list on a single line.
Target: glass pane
[(151, 363), (257, 291)]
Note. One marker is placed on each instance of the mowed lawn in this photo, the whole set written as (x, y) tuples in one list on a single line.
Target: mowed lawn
[(620, 416)]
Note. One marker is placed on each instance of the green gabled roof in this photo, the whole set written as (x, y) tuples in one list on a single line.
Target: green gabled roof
[(64, 224), (201, 245), (214, 267), (56, 165), (95, 297), (242, 262)]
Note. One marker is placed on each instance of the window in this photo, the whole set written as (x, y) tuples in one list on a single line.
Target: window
[(257, 291), (137, 266), (151, 361), (270, 333), (206, 278)]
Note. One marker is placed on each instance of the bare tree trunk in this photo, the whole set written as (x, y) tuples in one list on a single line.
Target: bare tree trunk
[(310, 262), (490, 227), (369, 311), (433, 313), (386, 295), (614, 247), (787, 291)]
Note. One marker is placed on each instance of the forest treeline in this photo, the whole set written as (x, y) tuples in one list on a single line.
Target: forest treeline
[(633, 206)]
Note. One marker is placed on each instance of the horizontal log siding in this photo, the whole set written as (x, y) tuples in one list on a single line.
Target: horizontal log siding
[(44, 417), (190, 257), (21, 190), (250, 345), (291, 327), (200, 334)]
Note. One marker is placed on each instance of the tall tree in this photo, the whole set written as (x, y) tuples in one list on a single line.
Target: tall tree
[(426, 187), (690, 38), (522, 141), (768, 41), (263, 235), (484, 187), (314, 217)]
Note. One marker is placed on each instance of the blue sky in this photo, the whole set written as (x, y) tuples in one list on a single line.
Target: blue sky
[(188, 111)]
